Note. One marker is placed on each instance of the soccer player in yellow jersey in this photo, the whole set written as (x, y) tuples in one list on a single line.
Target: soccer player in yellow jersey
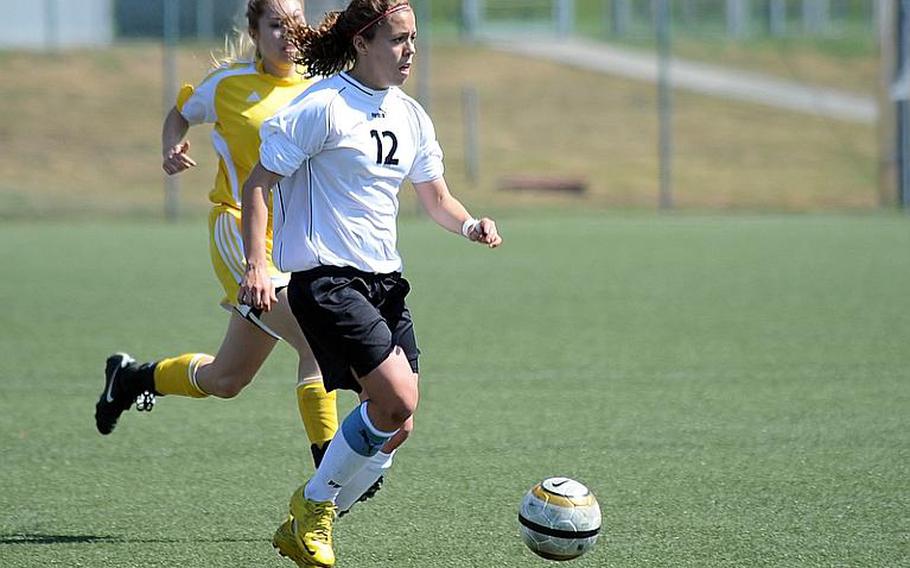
[(236, 98)]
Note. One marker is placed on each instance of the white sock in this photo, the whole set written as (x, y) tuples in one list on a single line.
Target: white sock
[(352, 448), (363, 480), (339, 464)]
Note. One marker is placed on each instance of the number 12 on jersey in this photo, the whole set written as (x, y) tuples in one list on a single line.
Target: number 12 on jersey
[(390, 159)]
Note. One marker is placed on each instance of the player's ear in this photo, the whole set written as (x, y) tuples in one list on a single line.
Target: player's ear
[(360, 44)]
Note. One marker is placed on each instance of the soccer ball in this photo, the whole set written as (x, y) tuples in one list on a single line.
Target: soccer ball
[(559, 519)]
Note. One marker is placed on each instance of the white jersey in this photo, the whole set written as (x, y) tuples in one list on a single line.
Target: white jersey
[(345, 150)]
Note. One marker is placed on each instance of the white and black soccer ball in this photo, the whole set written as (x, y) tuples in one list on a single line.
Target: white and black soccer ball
[(559, 519)]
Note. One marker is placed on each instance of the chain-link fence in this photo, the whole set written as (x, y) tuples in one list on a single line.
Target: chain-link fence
[(774, 104)]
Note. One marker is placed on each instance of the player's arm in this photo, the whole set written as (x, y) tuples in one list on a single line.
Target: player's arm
[(256, 287), (450, 214), (173, 148)]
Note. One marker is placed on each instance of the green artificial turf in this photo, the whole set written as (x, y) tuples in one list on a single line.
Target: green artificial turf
[(734, 389)]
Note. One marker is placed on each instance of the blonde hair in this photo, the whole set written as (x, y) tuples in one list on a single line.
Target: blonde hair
[(239, 47)]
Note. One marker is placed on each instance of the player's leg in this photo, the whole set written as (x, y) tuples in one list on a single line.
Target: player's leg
[(243, 350), (339, 312), (368, 481), (246, 344), (318, 409), (391, 391), (365, 320), (398, 317), (312, 506), (249, 341)]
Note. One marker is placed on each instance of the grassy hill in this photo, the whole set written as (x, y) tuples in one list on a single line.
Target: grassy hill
[(81, 137)]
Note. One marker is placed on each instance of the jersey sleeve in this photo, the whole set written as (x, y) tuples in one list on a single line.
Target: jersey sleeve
[(197, 104), (292, 136), (428, 163)]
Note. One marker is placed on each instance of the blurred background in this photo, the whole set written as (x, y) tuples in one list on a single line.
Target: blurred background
[(780, 105), (700, 309)]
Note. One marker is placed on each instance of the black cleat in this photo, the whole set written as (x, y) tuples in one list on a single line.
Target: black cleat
[(318, 452), (367, 495), (120, 392)]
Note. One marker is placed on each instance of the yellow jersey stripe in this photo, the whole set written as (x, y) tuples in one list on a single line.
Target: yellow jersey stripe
[(224, 153)]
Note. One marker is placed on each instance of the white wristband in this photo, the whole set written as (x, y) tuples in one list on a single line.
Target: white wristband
[(468, 226)]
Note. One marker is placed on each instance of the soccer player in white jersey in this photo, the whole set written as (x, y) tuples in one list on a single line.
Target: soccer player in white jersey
[(235, 97), (336, 158)]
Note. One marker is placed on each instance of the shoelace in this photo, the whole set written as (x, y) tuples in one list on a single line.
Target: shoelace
[(325, 512)]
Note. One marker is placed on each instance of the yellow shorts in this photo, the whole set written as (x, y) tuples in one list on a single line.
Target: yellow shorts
[(226, 250)]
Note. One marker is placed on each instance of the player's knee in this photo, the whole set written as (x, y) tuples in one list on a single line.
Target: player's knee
[(401, 408), (230, 385), (393, 410)]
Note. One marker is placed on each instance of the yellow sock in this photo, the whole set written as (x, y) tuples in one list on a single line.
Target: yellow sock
[(177, 375), (317, 410)]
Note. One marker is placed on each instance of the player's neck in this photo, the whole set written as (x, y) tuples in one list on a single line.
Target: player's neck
[(281, 71), (367, 79)]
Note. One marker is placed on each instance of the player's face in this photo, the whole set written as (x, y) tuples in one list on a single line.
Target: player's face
[(389, 55), (275, 50)]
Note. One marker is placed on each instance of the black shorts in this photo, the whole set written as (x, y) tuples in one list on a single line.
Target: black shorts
[(352, 321)]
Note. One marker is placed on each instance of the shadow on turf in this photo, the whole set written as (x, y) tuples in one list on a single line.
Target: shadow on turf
[(37, 538)]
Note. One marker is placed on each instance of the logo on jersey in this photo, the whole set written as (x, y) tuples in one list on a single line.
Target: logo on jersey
[(253, 98), (380, 114)]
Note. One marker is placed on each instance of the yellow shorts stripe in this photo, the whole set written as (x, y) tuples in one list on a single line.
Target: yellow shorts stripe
[(226, 251), (227, 246)]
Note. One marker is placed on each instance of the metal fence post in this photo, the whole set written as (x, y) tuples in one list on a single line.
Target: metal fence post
[(471, 145), (900, 93), (51, 25), (171, 15), (816, 15), (737, 18), (205, 19), (470, 19), (620, 17), (565, 17), (665, 103), (689, 14), (425, 20), (777, 17)]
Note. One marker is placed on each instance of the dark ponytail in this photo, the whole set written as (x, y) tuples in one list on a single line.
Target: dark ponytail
[(329, 48)]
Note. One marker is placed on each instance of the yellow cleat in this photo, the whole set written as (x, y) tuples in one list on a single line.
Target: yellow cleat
[(311, 525), (286, 545)]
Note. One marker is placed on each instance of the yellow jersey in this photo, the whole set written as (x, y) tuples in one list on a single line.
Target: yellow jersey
[(236, 99)]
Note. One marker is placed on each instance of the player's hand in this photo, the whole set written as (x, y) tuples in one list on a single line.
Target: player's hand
[(177, 160), (485, 232), (256, 288)]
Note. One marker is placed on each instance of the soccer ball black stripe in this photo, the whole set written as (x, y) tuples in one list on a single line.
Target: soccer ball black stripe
[(563, 495), (558, 533)]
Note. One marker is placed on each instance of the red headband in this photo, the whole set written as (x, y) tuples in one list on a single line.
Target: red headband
[(388, 12)]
